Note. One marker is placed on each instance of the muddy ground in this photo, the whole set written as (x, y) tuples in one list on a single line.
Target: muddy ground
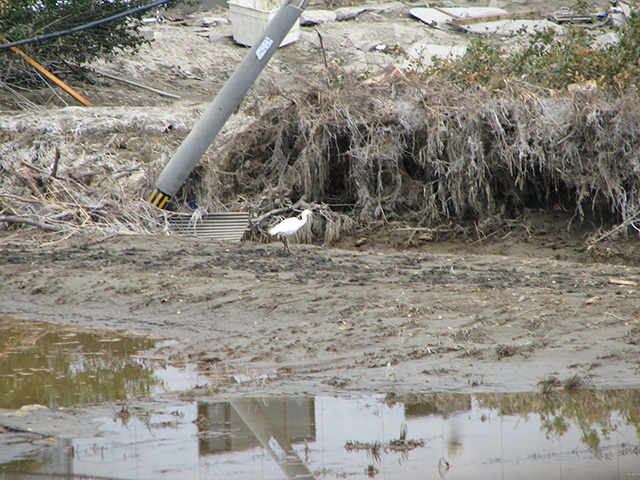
[(396, 313), (345, 321)]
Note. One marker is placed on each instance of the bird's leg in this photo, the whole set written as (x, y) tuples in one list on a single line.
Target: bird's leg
[(285, 243)]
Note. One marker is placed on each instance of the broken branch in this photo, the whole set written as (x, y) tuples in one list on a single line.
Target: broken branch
[(30, 221), (139, 85)]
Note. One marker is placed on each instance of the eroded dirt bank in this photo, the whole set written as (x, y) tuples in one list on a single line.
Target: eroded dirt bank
[(327, 320)]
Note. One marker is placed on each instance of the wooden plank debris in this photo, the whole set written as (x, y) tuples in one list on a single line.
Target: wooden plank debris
[(485, 19), (622, 281), (508, 27), (440, 15), (494, 18), (139, 85), (571, 17), (48, 74)]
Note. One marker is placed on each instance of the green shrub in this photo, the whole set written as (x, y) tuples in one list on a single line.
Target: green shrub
[(24, 19), (551, 60)]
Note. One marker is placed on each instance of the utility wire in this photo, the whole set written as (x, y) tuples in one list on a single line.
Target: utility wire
[(84, 27)]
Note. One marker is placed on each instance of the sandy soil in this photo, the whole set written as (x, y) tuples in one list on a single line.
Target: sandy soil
[(395, 314), (346, 321)]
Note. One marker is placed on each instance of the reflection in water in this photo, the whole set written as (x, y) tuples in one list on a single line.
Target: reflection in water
[(596, 415), (44, 363), (525, 436), (221, 427)]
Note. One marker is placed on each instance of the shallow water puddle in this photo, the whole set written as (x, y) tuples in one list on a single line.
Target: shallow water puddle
[(52, 365), (518, 435), (586, 435)]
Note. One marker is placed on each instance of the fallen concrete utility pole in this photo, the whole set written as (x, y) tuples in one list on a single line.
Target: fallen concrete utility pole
[(188, 155)]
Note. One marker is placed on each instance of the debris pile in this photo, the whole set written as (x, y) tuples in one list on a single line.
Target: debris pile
[(419, 146), (432, 152), (85, 169)]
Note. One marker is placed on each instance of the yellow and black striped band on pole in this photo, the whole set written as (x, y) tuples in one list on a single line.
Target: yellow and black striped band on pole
[(158, 198)]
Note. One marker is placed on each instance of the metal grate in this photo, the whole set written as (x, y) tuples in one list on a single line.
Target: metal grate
[(228, 226)]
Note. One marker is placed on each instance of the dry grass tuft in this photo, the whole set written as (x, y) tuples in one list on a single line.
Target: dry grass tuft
[(426, 154), (429, 153), (84, 170)]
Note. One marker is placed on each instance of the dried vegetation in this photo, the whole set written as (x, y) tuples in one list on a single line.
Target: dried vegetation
[(423, 150), (85, 170), (429, 153)]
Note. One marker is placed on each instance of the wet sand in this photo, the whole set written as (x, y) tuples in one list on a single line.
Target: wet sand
[(329, 320)]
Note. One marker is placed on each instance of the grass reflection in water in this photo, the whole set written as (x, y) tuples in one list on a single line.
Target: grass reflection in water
[(52, 365)]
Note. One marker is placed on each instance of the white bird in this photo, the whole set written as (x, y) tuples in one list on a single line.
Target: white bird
[(288, 227)]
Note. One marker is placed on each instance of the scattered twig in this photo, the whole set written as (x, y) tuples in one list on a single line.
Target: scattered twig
[(119, 174), (622, 281), (324, 53), (21, 97), (617, 318), (56, 159), (139, 85), (30, 221), (91, 243), (626, 223)]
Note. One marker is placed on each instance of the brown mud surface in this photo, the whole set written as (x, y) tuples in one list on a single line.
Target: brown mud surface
[(451, 317)]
